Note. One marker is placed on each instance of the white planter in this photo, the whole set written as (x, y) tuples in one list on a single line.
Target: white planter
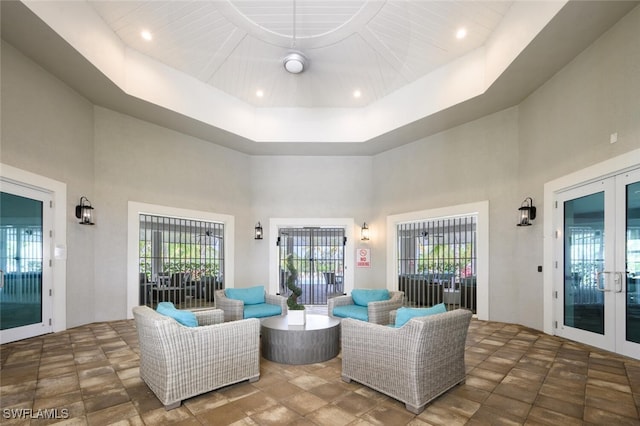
[(296, 317)]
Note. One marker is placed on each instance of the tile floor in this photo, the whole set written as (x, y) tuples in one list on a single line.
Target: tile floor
[(515, 376)]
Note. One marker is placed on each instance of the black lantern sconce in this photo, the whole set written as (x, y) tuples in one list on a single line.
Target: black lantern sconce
[(364, 232), (258, 231), (527, 212), (84, 212)]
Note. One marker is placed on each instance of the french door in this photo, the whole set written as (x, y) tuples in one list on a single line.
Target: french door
[(318, 257), (597, 276), (25, 251)]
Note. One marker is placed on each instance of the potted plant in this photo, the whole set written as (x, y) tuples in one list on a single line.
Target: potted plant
[(296, 315)]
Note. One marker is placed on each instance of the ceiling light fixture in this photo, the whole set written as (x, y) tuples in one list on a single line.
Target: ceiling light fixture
[(294, 62), (259, 93), (357, 93), (146, 35), (461, 33)]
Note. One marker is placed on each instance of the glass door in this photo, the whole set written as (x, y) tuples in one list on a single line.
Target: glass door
[(598, 258), (627, 272), (25, 246), (318, 257)]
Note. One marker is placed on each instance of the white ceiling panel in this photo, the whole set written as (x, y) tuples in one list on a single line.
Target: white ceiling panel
[(238, 46)]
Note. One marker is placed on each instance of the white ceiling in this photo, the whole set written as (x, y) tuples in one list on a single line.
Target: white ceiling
[(200, 73), (238, 46)]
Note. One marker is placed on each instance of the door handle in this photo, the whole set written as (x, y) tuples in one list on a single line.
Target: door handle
[(618, 282), (1, 278), (604, 281)]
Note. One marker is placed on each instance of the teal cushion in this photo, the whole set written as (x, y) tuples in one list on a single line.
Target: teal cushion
[(405, 314), (261, 310), (351, 311), (186, 318), (250, 296), (362, 297)]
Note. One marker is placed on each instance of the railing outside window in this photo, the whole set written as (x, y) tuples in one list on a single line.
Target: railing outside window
[(437, 262)]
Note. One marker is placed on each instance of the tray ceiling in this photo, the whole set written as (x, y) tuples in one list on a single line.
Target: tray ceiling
[(200, 72)]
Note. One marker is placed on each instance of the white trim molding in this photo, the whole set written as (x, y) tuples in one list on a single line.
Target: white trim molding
[(133, 227), (480, 208)]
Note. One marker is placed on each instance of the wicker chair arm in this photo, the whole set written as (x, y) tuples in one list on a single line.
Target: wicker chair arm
[(233, 309), (274, 299), (209, 316), (338, 301), (379, 311)]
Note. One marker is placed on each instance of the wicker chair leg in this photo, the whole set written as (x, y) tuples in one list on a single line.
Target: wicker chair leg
[(414, 409), (172, 405), (254, 379), (346, 379)]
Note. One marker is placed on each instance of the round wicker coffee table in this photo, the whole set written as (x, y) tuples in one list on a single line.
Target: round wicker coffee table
[(316, 341)]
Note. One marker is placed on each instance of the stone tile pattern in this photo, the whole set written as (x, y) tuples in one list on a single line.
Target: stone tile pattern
[(515, 376)]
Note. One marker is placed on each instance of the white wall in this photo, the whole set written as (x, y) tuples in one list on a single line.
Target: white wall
[(47, 129), (142, 162), (470, 163), (565, 126), (310, 187)]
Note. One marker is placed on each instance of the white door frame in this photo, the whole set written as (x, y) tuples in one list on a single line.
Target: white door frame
[(611, 167), (606, 340), (58, 191)]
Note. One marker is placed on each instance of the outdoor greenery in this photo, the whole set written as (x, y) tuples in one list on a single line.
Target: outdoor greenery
[(452, 259), (199, 260)]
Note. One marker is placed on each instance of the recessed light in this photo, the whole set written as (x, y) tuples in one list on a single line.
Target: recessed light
[(357, 93), (146, 35), (259, 93), (461, 33)]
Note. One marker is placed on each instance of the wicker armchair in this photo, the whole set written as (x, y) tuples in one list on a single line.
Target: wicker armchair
[(378, 312), (234, 309), (179, 362), (414, 363)]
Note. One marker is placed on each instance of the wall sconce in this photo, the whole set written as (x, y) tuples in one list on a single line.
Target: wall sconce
[(364, 232), (84, 212), (527, 212), (258, 231)]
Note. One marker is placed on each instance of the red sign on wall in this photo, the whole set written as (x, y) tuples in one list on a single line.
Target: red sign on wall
[(363, 258)]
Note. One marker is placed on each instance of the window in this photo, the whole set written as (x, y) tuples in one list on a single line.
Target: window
[(180, 260), (437, 261)]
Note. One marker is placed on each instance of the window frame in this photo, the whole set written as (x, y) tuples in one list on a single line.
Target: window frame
[(133, 231), (481, 209)]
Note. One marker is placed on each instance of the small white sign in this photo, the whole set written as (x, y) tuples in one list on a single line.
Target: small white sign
[(363, 258)]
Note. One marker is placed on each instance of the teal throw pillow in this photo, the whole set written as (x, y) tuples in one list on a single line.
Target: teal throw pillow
[(250, 296), (362, 297), (186, 318), (405, 314)]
